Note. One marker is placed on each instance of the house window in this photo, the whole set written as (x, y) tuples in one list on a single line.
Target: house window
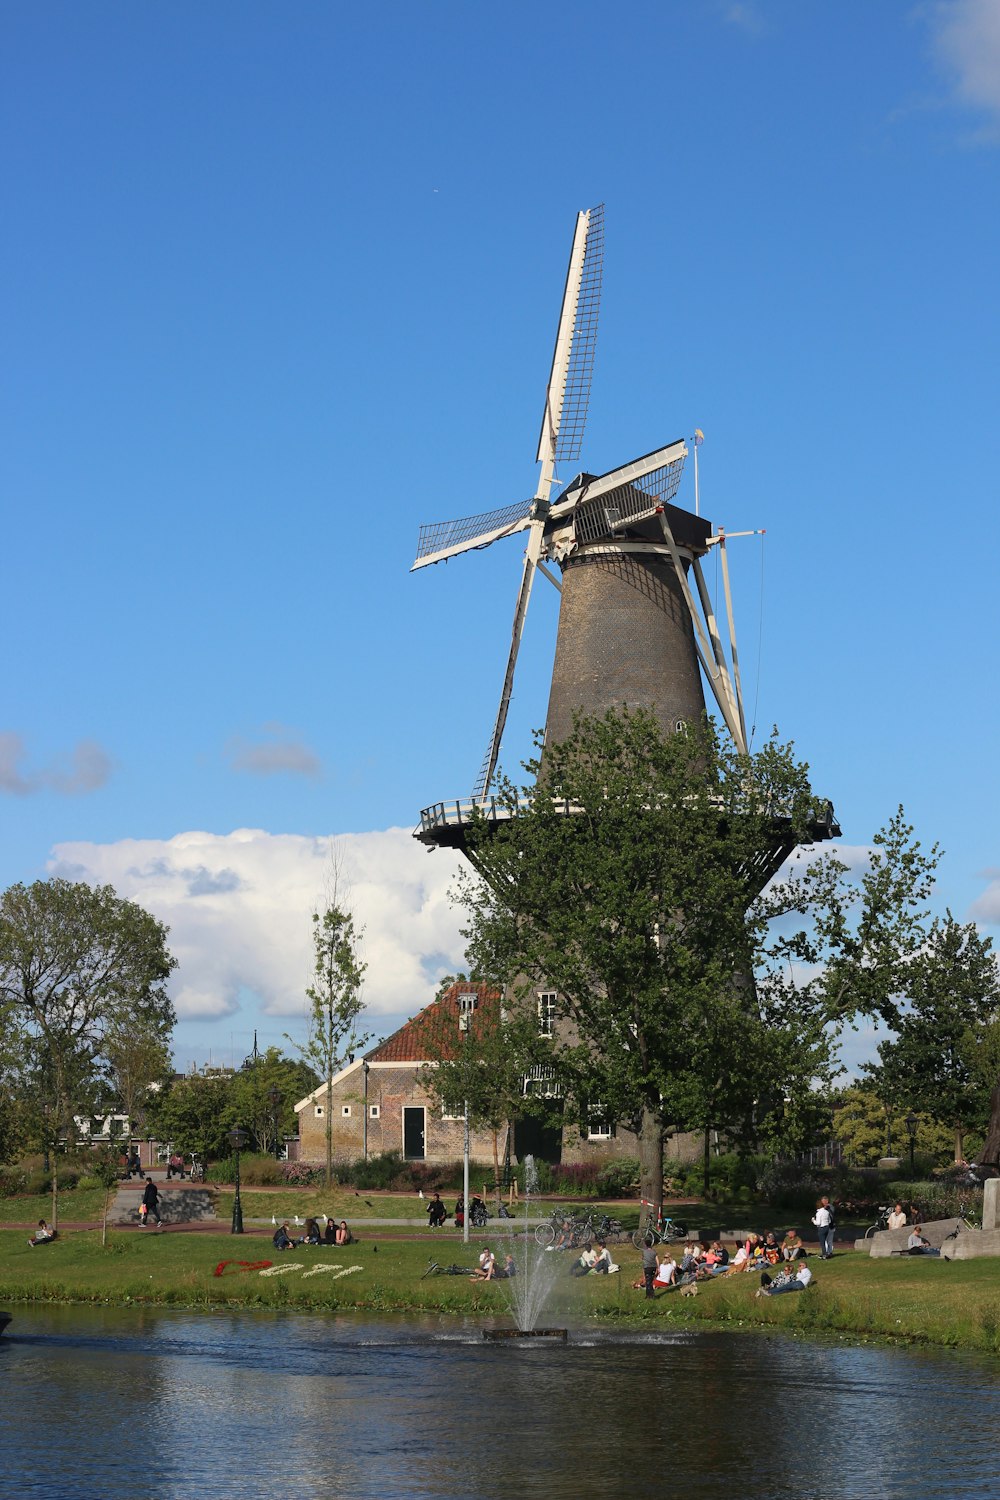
[(319, 1111), (467, 1003), (546, 1012), (345, 1110), (373, 1111), (447, 1115), (599, 1126)]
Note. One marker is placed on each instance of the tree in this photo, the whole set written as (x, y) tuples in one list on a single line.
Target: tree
[(250, 1096), (77, 962), (335, 1006), (953, 991), (484, 1068), (859, 1124), (195, 1114), (627, 893), (626, 878), (136, 1060)]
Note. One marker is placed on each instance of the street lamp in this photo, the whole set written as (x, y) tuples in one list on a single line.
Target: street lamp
[(238, 1138), (364, 1069), (911, 1125), (274, 1099)]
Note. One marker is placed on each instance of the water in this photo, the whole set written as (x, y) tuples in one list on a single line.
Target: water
[(154, 1404)]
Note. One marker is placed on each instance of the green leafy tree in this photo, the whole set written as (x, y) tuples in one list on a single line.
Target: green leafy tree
[(626, 877), (627, 893), (194, 1114), (335, 1006), (982, 1052), (953, 991), (77, 962), (859, 1124), (136, 1062), (250, 1096)]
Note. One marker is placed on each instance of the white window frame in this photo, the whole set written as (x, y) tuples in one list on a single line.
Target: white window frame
[(345, 1111), (319, 1111), (468, 1001), (373, 1111), (547, 1012), (601, 1129), (446, 1116)]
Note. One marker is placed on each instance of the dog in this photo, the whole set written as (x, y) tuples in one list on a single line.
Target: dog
[(690, 1290)]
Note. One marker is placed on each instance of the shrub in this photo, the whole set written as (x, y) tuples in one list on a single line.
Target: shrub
[(261, 1171), (618, 1178), (13, 1182)]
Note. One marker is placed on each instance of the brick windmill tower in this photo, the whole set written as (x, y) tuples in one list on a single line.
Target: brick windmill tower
[(636, 622)]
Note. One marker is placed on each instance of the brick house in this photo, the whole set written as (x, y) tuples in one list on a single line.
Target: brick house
[(380, 1102)]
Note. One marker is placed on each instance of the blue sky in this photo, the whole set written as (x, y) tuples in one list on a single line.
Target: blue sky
[(280, 283)]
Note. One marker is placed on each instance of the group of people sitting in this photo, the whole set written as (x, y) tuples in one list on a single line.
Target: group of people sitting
[(437, 1213), (757, 1253), (488, 1270), (333, 1234), (594, 1261)]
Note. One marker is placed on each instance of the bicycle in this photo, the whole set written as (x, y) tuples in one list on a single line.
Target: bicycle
[(882, 1222), (196, 1172), (434, 1269), (660, 1227)]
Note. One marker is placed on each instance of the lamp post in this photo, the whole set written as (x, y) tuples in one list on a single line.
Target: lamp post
[(364, 1069), (911, 1125), (238, 1138), (274, 1100)]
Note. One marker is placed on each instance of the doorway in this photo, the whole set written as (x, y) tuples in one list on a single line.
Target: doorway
[(413, 1133)]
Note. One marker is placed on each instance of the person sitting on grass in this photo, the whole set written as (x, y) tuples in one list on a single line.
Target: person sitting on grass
[(666, 1272), (311, 1235), (787, 1280), (486, 1269), (772, 1250), (713, 1263), (506, 1271), (281, 1239), (343, 1235), (564, 1239), (43, 1235), (917, 1244), (792, 1247), (585, 1263), (603, 1264)]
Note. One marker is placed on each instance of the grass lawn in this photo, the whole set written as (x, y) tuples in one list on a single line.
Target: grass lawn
[(955, 1304)]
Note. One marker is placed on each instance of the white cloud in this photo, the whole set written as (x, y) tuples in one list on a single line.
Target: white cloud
[(986, 908), (967, 43), (87, 769), (238, 906)]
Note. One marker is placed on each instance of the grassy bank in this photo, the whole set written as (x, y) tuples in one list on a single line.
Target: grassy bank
[(933, 1302)]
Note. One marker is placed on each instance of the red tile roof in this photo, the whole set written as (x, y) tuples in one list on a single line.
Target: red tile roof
[(436, 1026)]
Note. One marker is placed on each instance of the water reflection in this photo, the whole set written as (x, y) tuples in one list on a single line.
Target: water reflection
[(160, 1405)]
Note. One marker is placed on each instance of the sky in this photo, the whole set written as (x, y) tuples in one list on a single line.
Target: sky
[(280, 283)]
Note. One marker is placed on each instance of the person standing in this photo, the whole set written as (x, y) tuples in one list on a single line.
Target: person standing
[(649, 1266), (151, 1202), (823, 1219)]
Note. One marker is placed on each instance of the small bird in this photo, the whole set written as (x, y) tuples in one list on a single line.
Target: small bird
[(297, 1219), (374, 1249), (326, 1219), (274, 1221), (420, 1192)]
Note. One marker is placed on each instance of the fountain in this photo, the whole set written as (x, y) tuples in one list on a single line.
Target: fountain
[(536, 1276)]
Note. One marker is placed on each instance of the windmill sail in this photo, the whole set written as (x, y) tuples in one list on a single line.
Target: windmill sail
[(443, 539), (568, 395)]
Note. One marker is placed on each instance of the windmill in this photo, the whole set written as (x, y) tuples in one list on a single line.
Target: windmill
[(632, 629)]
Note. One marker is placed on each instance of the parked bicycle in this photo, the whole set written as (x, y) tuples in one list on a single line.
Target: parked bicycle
[(434, 1269), (659, 1227), (882, 1222), (196, 1171)]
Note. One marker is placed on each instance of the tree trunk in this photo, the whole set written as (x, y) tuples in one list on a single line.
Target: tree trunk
[(496, 1170), (959, 1144), (651, 1158), (329, 1133), (991, 1148), (706, 1164)]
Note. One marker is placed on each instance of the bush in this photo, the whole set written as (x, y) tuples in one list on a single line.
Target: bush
[(13, 1182), (618, 1178), (39, 1181)]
